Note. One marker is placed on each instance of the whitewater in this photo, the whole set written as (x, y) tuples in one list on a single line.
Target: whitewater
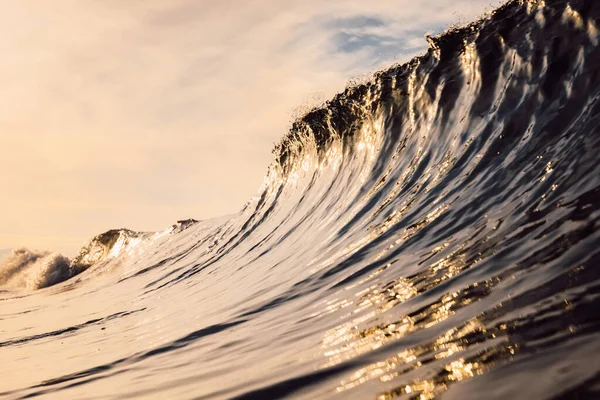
[(433, 232)]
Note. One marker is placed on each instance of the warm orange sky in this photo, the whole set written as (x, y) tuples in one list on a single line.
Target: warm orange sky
[(138, 113)]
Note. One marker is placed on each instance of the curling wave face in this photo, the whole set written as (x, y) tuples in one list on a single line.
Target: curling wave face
[(433, 232)]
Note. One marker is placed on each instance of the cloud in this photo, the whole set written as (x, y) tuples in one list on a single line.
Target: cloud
[(370, 40), (358, 21)]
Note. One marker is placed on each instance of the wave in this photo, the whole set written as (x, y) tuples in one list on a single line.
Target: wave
[(31, 269), (431, 232)]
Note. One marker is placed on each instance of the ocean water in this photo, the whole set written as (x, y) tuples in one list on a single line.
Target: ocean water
[(431, 233)]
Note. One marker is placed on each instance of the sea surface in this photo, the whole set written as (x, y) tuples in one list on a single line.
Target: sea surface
[(433, 232)]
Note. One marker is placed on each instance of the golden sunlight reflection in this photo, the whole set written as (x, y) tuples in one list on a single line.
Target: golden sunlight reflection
[(571, 15), (373, 321), (470, 64), (412, 82), (447, 346)]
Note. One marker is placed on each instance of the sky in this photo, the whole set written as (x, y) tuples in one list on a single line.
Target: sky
[(138, 113)]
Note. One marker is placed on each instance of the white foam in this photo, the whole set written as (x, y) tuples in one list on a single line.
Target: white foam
[(33, 270)]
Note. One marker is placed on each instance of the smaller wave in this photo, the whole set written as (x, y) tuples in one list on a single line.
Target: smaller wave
[(32, 270)]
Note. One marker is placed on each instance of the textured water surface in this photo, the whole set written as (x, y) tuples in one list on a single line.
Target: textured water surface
[(434, 232)]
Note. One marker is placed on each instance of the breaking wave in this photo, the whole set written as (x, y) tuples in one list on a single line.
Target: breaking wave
[(432, 232), (34, 270)]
